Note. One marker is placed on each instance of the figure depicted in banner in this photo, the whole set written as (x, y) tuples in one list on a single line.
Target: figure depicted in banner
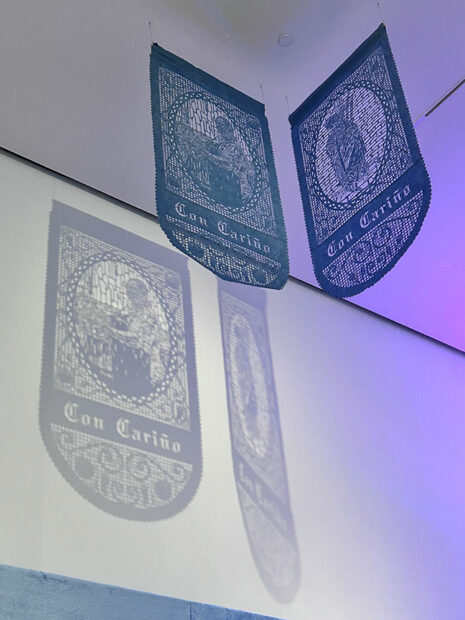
[(346, 150), (364, 185), (125, 345), (216, 186), (119, 410), (221, 164)]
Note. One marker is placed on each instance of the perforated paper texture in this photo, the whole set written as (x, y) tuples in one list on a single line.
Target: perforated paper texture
[(216, 187), (365, 189)]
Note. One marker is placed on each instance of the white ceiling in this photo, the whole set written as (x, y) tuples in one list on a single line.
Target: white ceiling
[(75, 97)]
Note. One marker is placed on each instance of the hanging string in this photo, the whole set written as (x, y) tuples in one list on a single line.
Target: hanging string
[(380, 12), (263, 94), (151, 33)]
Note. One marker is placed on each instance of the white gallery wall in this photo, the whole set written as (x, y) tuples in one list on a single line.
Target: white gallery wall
[(371, 417), (76, 98)]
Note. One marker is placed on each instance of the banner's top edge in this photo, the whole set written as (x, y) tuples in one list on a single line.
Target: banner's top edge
[(301, 110), (224, 90)]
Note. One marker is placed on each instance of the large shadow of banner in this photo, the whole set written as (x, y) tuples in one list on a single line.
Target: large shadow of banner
[(34, 595), (364, 185), (119, 407), (257, 447)]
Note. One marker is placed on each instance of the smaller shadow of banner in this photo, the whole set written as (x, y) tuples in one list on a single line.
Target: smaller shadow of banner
[(216, 186), (256, 441), (119, 408), (364, 185)]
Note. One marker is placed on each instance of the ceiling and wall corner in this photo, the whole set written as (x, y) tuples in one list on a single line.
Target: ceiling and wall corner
[(75, 98)]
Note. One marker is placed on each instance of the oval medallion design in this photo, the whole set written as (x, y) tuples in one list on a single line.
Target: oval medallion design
[(217, 194), (249, 386)]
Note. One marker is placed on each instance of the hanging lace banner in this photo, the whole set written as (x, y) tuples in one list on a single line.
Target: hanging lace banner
[(119, 408), (256, 442), (216, 187), (364, 185)]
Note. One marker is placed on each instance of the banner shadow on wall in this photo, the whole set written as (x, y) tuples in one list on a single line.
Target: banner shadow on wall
[(256, 441), (119, 408)]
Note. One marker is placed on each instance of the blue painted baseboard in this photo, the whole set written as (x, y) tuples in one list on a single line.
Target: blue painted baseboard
[(34, 595)]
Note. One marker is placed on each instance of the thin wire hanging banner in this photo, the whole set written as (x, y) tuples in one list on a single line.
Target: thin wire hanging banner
[(216, 186)]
